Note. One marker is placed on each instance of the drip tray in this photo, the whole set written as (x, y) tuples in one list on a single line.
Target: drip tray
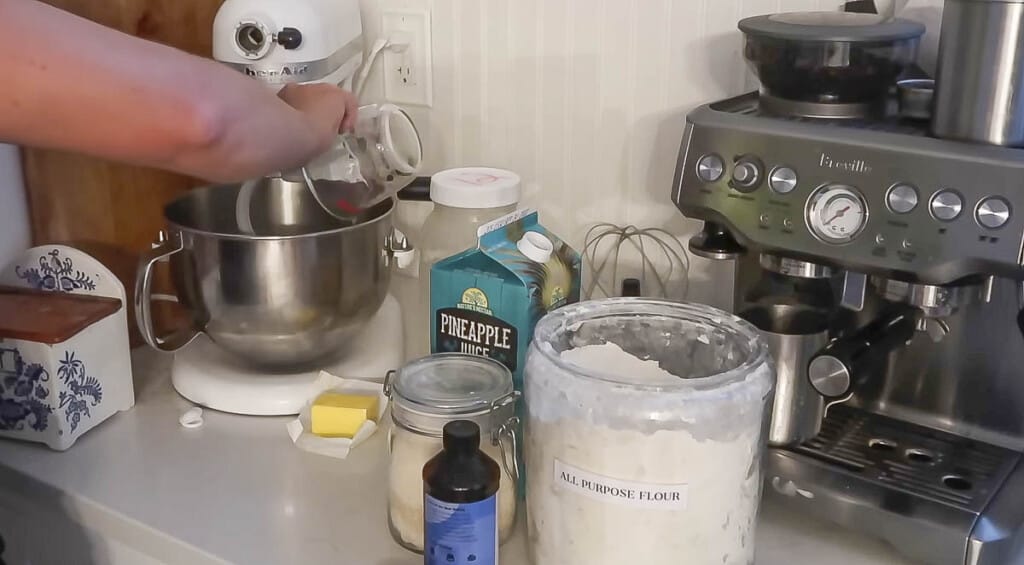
[(920, 461)]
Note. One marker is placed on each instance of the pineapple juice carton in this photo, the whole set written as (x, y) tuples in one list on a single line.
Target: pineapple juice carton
[(486, 301)]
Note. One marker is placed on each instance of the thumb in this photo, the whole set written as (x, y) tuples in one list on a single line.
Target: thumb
[(348, 123)]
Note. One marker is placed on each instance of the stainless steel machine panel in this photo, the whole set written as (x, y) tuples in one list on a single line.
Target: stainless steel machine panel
[(877, 197)]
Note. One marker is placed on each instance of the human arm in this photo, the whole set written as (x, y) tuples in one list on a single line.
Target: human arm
[(78, 86)]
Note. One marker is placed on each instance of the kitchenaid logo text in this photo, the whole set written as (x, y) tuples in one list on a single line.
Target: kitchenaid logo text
[(626, 493), (826, 161), (286, 71)]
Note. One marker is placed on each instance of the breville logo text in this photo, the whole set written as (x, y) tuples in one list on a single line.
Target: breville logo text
[(854, 166)]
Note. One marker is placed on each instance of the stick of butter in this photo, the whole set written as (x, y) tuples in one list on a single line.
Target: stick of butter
[(341, 415)]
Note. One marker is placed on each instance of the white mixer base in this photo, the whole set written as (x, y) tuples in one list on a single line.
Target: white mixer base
[(210, 377)]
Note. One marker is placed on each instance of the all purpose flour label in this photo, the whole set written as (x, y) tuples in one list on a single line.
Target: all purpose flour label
[(627, 493)]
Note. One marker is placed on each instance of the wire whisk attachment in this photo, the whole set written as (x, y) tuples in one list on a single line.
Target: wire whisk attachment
[(653, 256)]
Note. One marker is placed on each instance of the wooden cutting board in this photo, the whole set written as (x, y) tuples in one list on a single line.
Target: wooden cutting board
[(109, 210)]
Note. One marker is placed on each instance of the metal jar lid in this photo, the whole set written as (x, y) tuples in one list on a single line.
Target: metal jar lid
[(432, 391), (830, 26)]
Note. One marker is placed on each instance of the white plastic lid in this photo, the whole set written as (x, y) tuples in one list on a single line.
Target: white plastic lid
[(535, 246), (475, 187)]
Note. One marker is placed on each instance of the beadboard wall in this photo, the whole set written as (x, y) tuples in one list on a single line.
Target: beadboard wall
[(585, 99)]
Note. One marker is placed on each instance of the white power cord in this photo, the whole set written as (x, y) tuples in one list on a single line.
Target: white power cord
[(397, 43)]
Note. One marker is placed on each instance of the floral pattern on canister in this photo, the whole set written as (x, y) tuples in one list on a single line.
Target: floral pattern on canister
[(23, 393), (55, 273), (80, 390)]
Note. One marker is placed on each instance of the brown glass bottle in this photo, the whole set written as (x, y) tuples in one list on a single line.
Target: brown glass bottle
[(460, 502)]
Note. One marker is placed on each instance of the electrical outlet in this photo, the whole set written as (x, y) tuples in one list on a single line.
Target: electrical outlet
[(408, 73)]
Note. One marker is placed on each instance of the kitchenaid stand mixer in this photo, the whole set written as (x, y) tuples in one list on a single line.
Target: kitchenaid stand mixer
[(285, 41), (273, 305), (910, 246)]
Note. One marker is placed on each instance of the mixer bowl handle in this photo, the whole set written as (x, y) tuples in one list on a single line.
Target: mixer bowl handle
[(144, 297)]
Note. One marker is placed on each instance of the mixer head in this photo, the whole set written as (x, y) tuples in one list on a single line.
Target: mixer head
[(290, 41)]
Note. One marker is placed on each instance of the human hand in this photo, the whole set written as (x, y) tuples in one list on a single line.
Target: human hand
[(330, 109)]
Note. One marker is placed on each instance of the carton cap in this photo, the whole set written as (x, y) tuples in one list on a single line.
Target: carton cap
[(475, 187), (536, 246)]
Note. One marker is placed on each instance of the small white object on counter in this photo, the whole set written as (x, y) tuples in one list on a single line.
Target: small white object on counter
[(192, 418)]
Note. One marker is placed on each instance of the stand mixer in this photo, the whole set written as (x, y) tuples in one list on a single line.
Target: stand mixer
[(900, 414), (250, 357), (284, 41)]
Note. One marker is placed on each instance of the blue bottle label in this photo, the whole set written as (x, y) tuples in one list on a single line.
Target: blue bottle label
[(460, 534)]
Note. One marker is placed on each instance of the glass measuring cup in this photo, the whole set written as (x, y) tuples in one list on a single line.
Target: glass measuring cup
[(368, 165)]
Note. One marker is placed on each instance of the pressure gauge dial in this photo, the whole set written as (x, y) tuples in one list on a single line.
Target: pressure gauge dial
[(836, 213)]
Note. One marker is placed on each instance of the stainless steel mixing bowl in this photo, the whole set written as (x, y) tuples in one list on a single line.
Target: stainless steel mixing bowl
[(271, 278)]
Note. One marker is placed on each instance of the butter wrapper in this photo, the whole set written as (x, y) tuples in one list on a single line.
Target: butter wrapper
[(338, 448)]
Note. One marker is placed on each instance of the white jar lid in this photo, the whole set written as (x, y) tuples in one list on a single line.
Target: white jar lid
[(475, 187)]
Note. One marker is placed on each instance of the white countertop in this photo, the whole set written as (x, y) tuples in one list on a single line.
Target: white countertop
[(238, 491)]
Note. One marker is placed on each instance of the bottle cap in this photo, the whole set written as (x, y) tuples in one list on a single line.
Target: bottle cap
[(461, 436), (475, 187), (631, 287), (535, 246)]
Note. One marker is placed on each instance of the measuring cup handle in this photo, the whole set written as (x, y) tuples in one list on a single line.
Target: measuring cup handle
[(144, 298)]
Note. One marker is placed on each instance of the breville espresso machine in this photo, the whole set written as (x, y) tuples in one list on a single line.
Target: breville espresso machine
[(881, 254)]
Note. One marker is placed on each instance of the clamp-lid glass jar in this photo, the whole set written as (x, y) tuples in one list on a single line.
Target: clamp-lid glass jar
[(425, 395)]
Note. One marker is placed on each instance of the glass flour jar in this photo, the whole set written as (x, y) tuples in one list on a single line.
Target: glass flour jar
[(425, 395), (645, 429)]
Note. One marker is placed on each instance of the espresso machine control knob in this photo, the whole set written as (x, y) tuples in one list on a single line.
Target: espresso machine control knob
[(746, 174), (830, 375), (783, 180), (846, 362), (901, 198), (993, 213), (710, 168), (946, 205)]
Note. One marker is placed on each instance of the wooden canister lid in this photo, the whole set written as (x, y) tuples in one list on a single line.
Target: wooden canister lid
[(49, 317)]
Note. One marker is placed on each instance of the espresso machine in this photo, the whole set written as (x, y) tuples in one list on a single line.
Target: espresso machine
[(878, 246)]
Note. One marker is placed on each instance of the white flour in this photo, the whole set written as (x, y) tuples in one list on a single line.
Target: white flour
[(611, 358), (619, 475)]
